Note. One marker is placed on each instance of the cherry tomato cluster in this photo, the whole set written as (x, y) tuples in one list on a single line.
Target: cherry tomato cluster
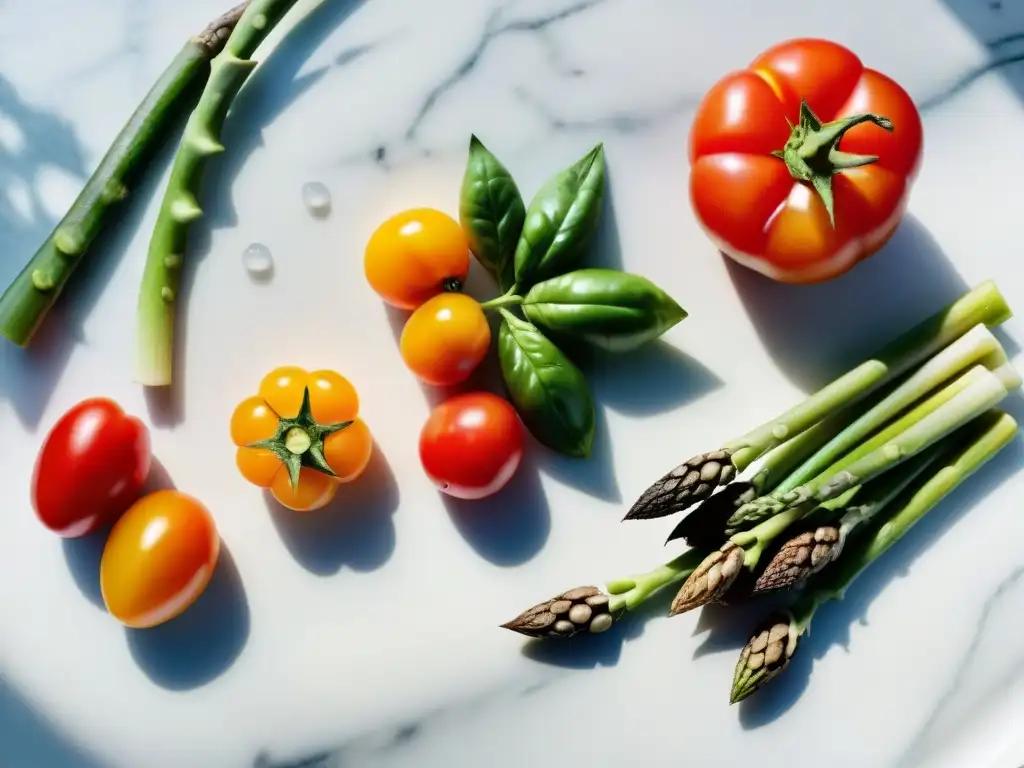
[(418, 260), (90, 473)]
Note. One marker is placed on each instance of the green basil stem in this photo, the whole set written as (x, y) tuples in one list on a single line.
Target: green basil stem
[(984, 304), (628, 593), (180, 206), (973, 392), (506, 300), (975, 345), (31, 295), (770, 650)]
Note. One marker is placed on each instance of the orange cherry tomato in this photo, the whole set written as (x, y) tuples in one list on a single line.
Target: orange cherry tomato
[(315, 489), (857, 144), (446, 339), (332, 401), (416, 255), (159, 558)]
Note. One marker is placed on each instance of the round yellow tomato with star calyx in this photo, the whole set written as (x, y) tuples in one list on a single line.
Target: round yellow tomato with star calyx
[(301, 436)]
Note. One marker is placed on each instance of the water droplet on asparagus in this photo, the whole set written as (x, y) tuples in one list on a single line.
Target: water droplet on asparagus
[(316, 198), (258, 261)]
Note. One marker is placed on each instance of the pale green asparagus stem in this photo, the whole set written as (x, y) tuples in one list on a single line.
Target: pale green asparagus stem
[(972, 347), (30, 296), (628, 593), (984, 305), (978, 380), (771, 648), (180, 206)]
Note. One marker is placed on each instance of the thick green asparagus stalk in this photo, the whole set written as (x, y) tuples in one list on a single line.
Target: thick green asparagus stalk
[(28, 299), (180, 206), (565, 616), (696, 479), (947, 406), (772, 646), (716, 575)]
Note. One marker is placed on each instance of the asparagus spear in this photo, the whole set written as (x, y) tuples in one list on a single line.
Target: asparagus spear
[(827, 529), (772, 646), (29, 297), (180, 205), (970, 388), (556, 617), (695, 479), (716, 575)]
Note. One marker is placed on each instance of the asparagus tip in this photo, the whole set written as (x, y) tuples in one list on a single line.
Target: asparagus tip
[(692, 481), (583, 609), (765, 656), (711, 580), (801, 557)]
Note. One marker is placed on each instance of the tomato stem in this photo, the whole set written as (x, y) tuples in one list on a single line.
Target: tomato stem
[(452, 285), (812, 152)]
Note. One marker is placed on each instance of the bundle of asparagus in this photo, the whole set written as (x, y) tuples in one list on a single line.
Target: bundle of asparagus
[(809, 499)]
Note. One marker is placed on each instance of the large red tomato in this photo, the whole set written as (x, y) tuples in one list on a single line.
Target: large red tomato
[(90, 469), (471, 445), (801, 164)]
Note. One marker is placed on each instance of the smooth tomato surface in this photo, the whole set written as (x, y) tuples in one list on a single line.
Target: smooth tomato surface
[(413, 255), (472, 445), (90, 469), (159, 558), (348, 452), (445, 340), (747, 200)]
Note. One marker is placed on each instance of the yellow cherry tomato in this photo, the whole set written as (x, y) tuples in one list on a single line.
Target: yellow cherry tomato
[(159, 558), (446, 339), (416, 255), (333, 400)]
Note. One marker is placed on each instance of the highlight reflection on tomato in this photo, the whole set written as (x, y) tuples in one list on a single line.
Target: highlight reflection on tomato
[(91, 467), (159, 559), (804, 128)]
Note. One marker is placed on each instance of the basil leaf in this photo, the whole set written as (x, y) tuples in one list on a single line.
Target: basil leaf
[(561, 220), (549, 392), (491, 212), (608, 308)]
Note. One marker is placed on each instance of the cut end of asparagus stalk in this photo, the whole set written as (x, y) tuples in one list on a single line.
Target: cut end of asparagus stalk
[(765, 656), (711, 580), (583, 609), (692, 481)]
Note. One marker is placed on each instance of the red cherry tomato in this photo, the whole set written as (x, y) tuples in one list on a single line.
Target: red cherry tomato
[(472, 445), (90, 469), (763, 169)]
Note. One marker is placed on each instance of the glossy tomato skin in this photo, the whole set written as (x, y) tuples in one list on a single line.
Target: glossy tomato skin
[(159, 559), (472, 445), (446, 339), (745, 198), (413, 255), (91, 467)]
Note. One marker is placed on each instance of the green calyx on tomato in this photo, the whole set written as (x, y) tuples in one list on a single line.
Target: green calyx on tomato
[(299, 442), (550, 393), (812, 152)]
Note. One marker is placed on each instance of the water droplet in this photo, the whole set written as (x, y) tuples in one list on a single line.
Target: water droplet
[(317, 198), (258, 261)]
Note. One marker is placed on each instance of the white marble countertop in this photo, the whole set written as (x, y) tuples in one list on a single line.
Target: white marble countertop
[(374, 642)]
